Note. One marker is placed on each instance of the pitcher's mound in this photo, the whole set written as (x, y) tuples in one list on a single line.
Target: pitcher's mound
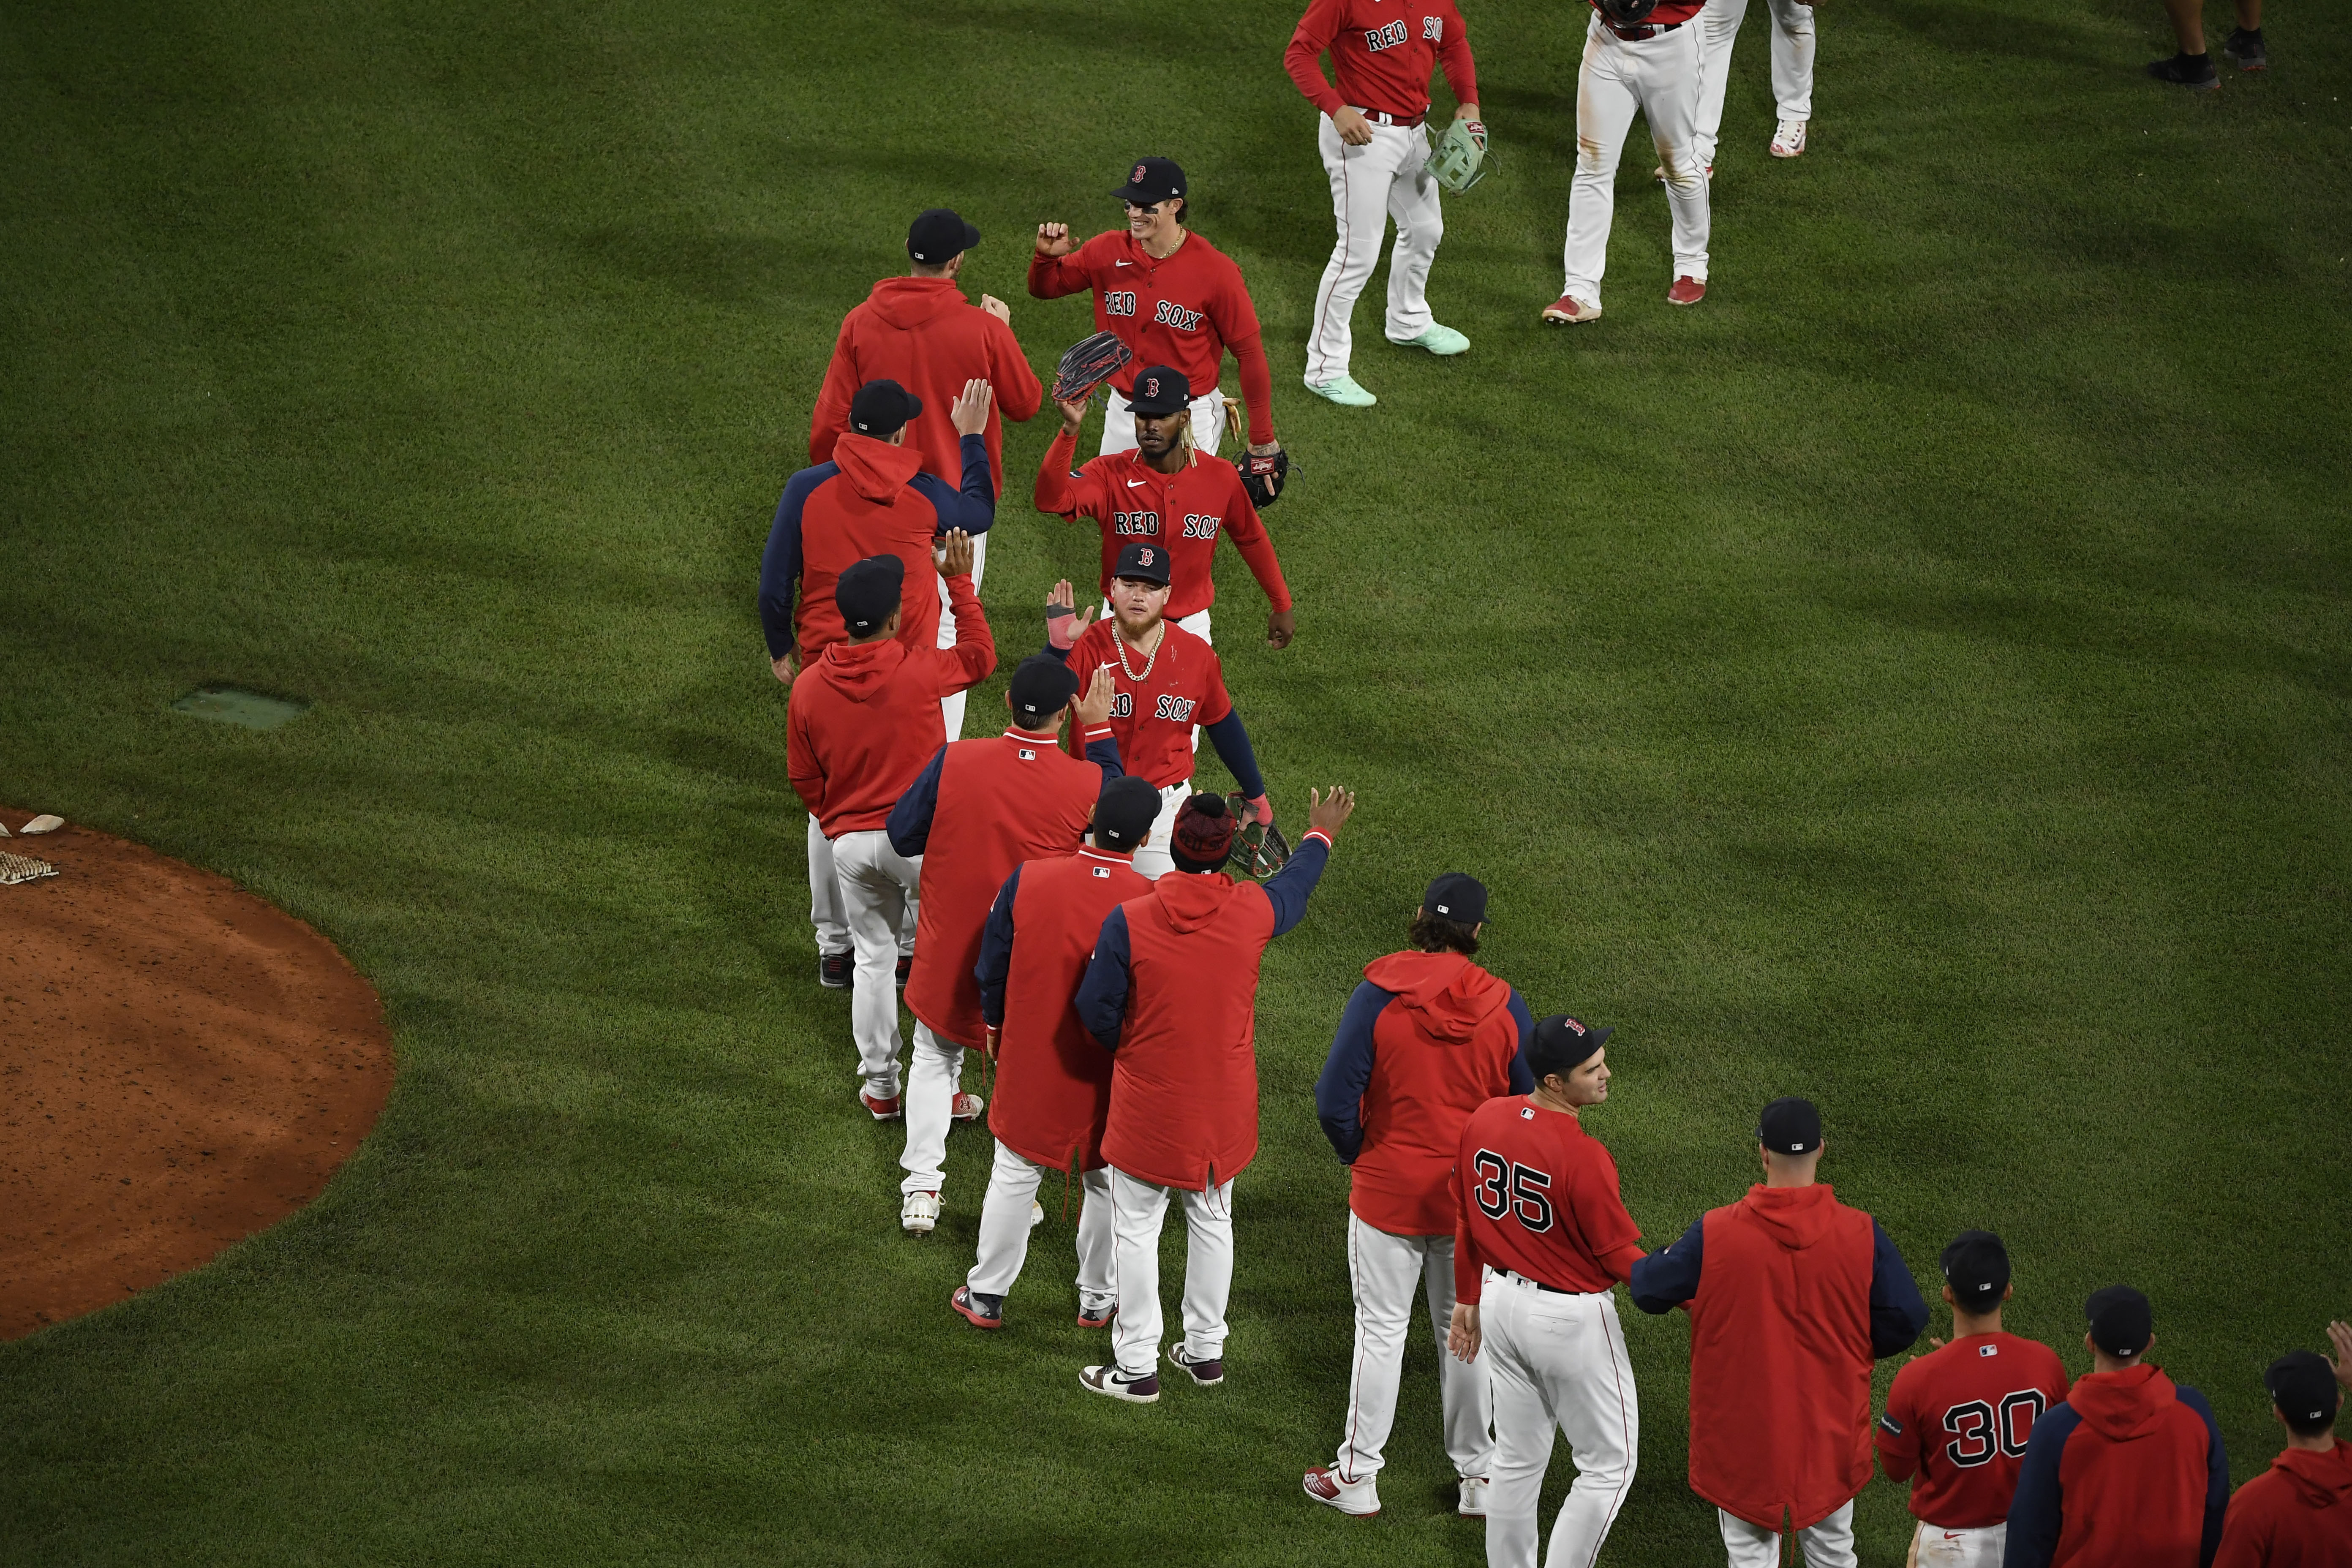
[(180, 1066)]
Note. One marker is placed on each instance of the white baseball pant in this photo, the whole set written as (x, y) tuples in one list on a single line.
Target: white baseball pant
[(1385, 1269), (1153, 859), (1829, 1544), (1137, 1210), (825, 911), (934, 1075), (1556, 1361), (1208, 422), (879, 894), (1385, 178), (1792, 64), (1658, 76), (1004, 1229), (951, 708), (1933, 1546)]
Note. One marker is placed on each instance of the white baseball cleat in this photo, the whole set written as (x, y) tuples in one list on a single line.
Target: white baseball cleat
[(1473, 1503), (1036, 1213), (1359, 1499), (1343, 390), (1117, 1385), (918, 1213), (1568, 310), (1789, 141)]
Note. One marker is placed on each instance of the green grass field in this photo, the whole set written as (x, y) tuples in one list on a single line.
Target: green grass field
[(1918, 678)]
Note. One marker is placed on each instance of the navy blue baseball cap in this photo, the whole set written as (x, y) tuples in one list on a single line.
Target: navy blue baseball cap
[(1151, 180), (882, 407), (937, 234), (2303, 1385), (1139, 562), (1042, 687), (867, 593), (1976, 1266), (1457, 896), (1561, 1044), (1125, 811), (2121, 1320), (1160, 390), (1790, 1126)]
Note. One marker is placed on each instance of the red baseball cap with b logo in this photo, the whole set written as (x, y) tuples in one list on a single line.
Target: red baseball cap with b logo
[(1141, 562), (1161, 389)]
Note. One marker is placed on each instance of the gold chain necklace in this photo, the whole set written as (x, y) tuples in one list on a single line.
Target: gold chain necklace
[(1145, 674)]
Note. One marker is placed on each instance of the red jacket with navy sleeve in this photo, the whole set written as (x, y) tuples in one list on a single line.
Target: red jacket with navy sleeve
[(1187, 510), (1383, 51), (922, 334), (864, 717), (1426, 1040), (1793, 1296), (979, 809), (1171, 990), (1053, 1081), (2297, 1514), (1183, 310), (2128, 1473)]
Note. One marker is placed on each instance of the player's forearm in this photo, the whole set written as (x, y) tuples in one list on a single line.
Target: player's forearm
[(1469, 1268), (975, 649), (1050, 278), (1289, 889), (1233, 747), (1054, 492), (1257, 388), (1460, 71), (1258, 552)]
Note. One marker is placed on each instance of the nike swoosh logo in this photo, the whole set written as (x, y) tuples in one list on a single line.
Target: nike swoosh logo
[(1132, 483), (1122, 264)]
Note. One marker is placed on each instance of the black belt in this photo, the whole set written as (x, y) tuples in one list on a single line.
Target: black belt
[(1634, 36), (1536, 1283)]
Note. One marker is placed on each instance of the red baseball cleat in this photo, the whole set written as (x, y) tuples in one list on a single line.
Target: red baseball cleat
[(980, 1311), (1568, 311), (883, 1110), (966, 1107), (1686, 291)]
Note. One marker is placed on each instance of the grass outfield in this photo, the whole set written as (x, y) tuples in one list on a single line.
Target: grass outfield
[(1918, 678)]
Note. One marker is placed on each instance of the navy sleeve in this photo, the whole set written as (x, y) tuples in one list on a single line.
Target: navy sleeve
[(973, 508), (2037, 1510), (1898, 1315), (1523, 1077), (1059, 655), (1233, 743), (996, 952), (780, 563), (1288, 889), (1104, 755), (1102, 994), (910, 827), (2217, 1475), (1347, 1070), (1669, 1277)]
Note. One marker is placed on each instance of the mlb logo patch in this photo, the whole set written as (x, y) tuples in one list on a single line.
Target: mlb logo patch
[(1526, 1113), (1028, 753), (1987, 1350), (1102, 872)]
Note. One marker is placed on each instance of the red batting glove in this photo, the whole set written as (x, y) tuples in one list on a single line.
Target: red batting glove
[(1262, 808)]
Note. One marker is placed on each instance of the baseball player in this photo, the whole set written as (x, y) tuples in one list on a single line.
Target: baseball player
[(1958, 1420), (859, 732), (1792, 1296), (1166, 679), (1544, 1239), (1053, 1083), (2300, 1510), (1159, 491), (1427, 1038), (1375, 144), (1793, 72), (921, 331), (1171, 991), (979, 809), (1652, 66), (1173, 298), (871, 498), (2130, 1470)]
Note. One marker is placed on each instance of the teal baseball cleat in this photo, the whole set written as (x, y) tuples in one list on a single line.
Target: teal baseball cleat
[(1439, 340), (1343, 390)]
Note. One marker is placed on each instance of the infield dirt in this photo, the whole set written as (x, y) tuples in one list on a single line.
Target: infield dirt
[(181, 1064)]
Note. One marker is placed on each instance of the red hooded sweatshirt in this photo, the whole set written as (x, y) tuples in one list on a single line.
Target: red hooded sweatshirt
[(922, 334), (869, 509), (865, 718), (2297, 1514), (1443, 1041), (2128, 1473)]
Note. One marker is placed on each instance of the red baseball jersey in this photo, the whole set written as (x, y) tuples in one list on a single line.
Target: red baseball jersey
[(1383, 51), (1183, 310), (1187, 510), (1535, 1193), (1158, 698), (1957, 1421)]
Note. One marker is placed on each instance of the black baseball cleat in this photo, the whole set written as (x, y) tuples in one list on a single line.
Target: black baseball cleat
[(1207, 1373), (833, 970), (981, 1312), (2245, 50), (1117, 1385), (2193, 71), (905, 967), (1097, 1314)]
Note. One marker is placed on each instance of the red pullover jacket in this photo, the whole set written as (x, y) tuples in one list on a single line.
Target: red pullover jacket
[(922, 334), (1171, 990), (1053, 1083), (1427, 1038), (2297, 1514), (1792, 1295), (2128, 1473), (864, 717), (997, 801)]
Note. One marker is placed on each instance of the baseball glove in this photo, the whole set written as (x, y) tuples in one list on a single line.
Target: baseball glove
[(1626, 13), (1087, 365), (1259, 850), (1264, 477), (1461, 159)]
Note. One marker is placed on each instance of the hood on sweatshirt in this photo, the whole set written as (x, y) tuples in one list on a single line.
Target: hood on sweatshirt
[(907, 303), (1796, 1217), (860, 670), (876, 469), (1451, 994), (1193, 898), (2321, 1481), (2122, 1405)]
